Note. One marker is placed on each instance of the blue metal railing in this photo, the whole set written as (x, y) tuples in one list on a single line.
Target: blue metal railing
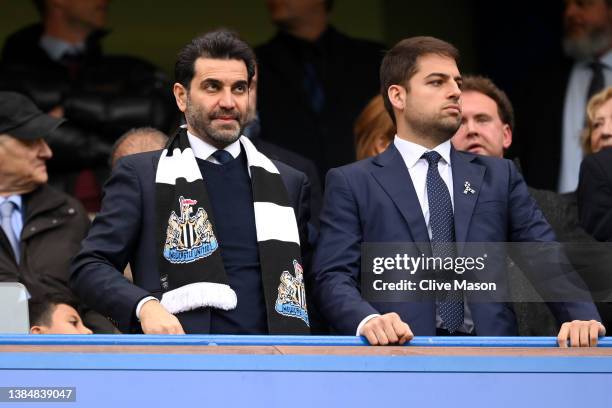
[(226, 340)]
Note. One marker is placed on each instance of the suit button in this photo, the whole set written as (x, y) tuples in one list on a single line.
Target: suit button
[(33, 229), (54, 221), (71, 211)]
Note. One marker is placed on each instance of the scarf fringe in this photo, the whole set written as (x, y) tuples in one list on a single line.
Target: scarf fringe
[(200, 294)]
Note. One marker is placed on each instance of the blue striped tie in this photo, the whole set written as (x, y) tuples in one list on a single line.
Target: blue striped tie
[(450, 304)]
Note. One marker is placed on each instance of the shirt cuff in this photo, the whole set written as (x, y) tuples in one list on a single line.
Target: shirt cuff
[(364, 321), (141, 303)]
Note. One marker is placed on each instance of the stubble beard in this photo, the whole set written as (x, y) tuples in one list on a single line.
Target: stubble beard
[(436, 128), (201, 122)]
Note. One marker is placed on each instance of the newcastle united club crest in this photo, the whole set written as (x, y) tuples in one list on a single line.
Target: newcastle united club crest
[(189, 237), (291, 300)]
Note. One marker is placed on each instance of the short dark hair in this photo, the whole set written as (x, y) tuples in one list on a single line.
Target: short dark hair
[(41, 308), (486, 87), (400, 62), (220, 44)]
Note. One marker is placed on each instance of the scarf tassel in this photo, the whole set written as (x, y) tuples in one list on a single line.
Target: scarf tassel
[(200, 294)]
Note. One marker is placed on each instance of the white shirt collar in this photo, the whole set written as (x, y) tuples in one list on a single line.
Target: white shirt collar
[(203, 150), (56, 47), (412, 152)]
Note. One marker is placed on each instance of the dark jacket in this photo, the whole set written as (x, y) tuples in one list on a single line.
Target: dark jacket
[(595, 194), (102, 97), (347, 70), (595, 210), (54, 225), (561, 212), (539, 124)]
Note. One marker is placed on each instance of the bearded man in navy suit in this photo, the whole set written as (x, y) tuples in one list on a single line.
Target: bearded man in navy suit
[(138, 222), (416, 191)]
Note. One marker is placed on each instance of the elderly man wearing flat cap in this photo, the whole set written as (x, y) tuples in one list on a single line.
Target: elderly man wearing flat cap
[(42, 228)]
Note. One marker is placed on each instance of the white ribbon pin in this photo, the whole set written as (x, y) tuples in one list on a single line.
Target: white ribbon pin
[(468, 188)]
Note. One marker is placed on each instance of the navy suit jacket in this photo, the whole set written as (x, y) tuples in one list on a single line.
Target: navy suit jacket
[(374, 200), (125, 231)]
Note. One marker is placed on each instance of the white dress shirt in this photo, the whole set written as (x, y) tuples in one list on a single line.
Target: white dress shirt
[(417, 168), (574, 119)]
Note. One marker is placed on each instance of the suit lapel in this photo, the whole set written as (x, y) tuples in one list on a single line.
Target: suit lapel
[(465, 196), (392, 175)]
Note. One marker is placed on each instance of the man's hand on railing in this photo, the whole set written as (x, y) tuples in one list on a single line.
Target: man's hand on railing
[(386, 329), (580, 333)]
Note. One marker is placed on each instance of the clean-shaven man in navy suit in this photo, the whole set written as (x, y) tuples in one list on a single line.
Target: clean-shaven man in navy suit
[(415, 192)]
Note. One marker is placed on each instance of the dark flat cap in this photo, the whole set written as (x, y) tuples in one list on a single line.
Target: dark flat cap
[(20, 118)]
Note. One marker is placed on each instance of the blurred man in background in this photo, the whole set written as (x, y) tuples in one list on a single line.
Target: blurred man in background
[(253, 131), (42, 228), (330, 77), (549, 132), (139, 140), (60, 65), (487, 128)]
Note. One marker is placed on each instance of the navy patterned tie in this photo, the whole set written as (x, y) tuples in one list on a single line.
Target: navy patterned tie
[(222, 156), (450, 304), (314, 88), (6, 213), (598, 81)]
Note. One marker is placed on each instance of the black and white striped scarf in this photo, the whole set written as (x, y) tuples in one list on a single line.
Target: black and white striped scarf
[(191, 269)]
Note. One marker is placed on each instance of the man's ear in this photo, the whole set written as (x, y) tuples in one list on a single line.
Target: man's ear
[(397, 96), (37, 330), (180, 95), (507, 140)]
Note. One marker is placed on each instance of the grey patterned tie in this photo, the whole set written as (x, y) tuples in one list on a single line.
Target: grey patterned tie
[(6, 212), (441, 219)]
